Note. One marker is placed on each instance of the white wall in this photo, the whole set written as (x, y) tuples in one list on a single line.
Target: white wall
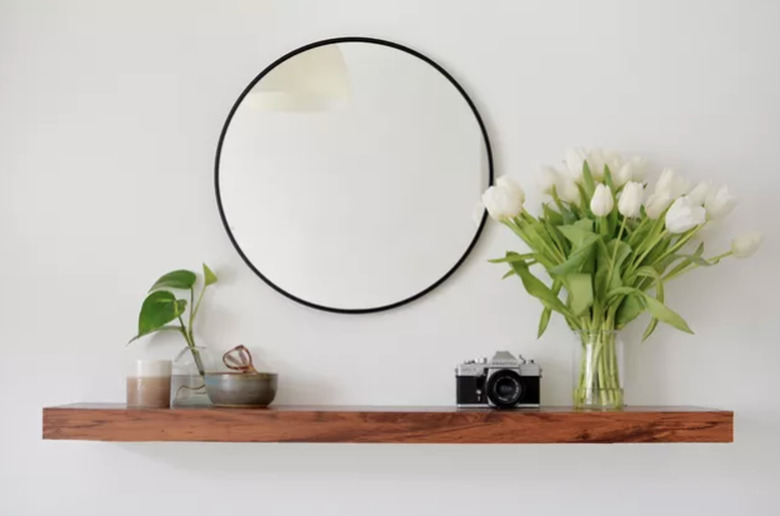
[(109, 118)]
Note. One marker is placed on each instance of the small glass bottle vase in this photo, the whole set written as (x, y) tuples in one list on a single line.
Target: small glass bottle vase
[(188, 387), (598, 369)]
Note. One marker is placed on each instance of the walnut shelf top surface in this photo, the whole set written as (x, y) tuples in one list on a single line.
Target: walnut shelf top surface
[(396, 408), (388, 424)]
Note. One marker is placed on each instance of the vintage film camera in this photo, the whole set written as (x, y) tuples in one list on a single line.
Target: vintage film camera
[(502, 382)]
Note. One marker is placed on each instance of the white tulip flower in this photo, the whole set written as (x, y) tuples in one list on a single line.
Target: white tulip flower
[(547, 179), (683, 215), (630, 200), (613, 160), (513, 188), (596, 163), (700, 193), (622, 175), (719, 202), (567, 190), (602, 202), (657, 204), (747, 244), (504, 200), (638, 168), (672, 183), (575, 157)]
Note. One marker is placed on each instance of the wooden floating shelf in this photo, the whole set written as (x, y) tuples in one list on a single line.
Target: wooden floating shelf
[(334, 424)]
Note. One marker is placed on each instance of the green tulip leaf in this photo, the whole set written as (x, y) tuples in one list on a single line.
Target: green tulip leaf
[(209, 277), (608, 180), (650, 329), (578, 232), (513, 257), (666, 315), (544, 320), (580, 288), (539, 290), (582, 239), (180, 279), (551, 215), (509, 273), (567, 211), (649, 272), (587, 181), (699, 261), (159, 308), (577, 258), (658, 310), (602, 268), (628, 310)]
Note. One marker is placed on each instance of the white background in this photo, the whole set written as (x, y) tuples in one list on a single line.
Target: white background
[(109, 118)]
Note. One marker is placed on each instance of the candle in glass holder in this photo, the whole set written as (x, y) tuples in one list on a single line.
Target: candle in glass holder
[(149, 385)]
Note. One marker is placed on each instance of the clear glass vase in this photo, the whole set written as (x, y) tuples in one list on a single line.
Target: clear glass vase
[(188, 387), (598, 369)]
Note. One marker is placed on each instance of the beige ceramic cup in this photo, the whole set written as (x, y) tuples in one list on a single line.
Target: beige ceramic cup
[(149, 385)]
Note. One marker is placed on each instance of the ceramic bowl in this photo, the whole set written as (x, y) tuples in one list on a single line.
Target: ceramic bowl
[(241, 389)]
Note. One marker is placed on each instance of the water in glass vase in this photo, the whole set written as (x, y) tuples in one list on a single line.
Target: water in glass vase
[(598, 369), (188, 387)]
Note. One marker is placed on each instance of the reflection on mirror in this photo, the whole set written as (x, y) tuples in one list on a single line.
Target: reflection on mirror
[(347, 175)]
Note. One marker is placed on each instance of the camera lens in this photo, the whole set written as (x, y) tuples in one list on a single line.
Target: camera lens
[(505, 388)]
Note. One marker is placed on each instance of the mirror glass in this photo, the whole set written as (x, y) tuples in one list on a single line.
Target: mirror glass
[(348, 172)]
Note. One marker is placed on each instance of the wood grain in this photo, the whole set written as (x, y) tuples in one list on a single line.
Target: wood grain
[(333, 424)]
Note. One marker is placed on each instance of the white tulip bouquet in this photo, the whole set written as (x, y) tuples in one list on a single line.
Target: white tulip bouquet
[(608, 249)]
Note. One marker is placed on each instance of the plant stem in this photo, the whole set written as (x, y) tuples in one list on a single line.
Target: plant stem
[(692, 265), (598, 381), (655, 242), (191, 344), (197, 305), (681, 242), (614, 252)]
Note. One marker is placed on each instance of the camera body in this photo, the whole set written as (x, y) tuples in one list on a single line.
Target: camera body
[(504, 381)]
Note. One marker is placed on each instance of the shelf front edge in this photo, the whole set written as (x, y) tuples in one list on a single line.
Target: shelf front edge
[(328, 425)]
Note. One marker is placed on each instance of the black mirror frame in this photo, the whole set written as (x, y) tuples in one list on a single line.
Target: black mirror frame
[(353, 39)]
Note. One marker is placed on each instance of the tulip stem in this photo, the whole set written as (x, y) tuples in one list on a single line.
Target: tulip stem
[(650, 248), (693, 265), (683, 240), (614, 251)]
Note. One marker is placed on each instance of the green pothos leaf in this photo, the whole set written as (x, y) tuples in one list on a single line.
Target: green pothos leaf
[(163, 328), (158, 309), (209, 277), (180, 279)]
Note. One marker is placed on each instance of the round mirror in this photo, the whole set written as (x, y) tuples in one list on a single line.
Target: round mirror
[(347, 175)]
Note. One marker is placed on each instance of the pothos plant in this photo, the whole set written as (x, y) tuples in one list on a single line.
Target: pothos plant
[(608, 250), (161, 308)]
